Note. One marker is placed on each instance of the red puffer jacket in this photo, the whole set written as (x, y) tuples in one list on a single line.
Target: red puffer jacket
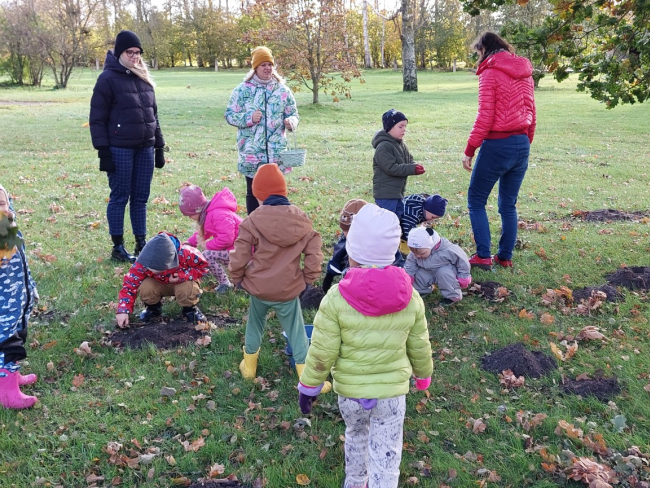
[(506, 100)]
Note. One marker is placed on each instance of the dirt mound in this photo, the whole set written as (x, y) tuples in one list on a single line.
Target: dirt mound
[(490, 290), (587, 292), (601, 388), (519, 360), (222, 483), (163, 333), (611, 215), (311, 297), (634, 277)]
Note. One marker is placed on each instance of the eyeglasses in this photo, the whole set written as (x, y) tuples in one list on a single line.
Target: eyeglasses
[(133, 53)]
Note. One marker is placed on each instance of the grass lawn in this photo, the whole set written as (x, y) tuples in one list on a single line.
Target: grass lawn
[(101, 419)]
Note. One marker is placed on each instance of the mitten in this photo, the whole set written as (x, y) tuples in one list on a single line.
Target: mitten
[(305, 402), (422, 383), (419, 169), (159, 159), (464, 282), (105, 159), (307, 396)]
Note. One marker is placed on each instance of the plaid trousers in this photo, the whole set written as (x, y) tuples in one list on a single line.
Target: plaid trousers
[(130, 182)]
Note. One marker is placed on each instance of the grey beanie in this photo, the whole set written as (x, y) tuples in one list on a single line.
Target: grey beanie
[(159, 253)]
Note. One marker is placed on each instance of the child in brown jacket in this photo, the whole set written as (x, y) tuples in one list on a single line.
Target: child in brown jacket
[(266, 263)]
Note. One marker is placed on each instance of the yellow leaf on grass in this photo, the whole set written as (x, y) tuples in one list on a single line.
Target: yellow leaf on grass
[(303, 480), (556, 351), (524, 314)]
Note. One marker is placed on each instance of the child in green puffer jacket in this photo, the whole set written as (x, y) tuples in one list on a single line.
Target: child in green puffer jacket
[(371, 332)]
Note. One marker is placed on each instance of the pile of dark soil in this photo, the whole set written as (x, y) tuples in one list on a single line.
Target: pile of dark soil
[(633, 277), (601, 388), (517, 358), (486, 289), (586, 293), (611, 215), (163, 333), (311, 298), (222, 483)]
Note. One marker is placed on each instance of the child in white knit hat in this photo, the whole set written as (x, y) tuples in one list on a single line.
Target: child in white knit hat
[(371, 332), (435, 260)]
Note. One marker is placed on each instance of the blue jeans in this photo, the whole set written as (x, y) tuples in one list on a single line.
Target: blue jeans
[(395, 205), (130, 182), (505, 161)]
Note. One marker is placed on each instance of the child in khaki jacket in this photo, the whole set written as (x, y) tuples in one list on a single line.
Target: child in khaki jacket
[(266, 263)]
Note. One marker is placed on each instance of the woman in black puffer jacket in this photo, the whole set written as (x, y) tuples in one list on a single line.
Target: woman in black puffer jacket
[(125, 131)]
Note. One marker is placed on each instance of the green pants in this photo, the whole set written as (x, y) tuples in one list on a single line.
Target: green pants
[(290, 317)]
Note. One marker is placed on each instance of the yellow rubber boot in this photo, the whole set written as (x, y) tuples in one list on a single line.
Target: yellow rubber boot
[(327, 386), (248, 366)]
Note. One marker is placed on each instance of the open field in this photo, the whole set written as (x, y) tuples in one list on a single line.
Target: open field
[(584, 158)]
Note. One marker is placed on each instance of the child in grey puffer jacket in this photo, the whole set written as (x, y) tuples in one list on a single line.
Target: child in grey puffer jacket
[(435, 260)]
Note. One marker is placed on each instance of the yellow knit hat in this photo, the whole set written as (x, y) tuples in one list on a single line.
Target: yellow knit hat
[(261, 55)]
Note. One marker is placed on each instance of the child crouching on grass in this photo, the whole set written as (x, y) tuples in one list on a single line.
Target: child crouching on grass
[(435, 260), (266, 263), (217, 228), (163, 268), (371, 331), (17, 297)]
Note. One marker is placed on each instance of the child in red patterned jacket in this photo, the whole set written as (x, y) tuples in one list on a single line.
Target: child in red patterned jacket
[(163, 268)]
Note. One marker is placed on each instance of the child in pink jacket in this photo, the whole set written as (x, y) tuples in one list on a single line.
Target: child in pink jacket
[(217, 228)]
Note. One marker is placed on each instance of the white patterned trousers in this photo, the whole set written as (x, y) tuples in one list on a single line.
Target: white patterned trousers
[(373, 442), (218, 261)]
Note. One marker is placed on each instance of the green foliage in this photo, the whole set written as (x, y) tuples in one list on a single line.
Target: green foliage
[(583, 159)]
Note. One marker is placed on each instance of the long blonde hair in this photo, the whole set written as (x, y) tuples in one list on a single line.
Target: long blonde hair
[(141, 71)]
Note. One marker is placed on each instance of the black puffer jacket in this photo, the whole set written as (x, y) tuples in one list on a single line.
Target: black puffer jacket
[(123, 111), (390, 166)]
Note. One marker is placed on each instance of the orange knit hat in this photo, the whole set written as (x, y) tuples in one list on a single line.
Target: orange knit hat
[(268, 181), (261, 55)]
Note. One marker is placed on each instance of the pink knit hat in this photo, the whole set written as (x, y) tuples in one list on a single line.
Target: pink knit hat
[(191, 200)]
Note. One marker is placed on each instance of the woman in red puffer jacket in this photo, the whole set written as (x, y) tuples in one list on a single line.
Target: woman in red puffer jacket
[(504, 129)]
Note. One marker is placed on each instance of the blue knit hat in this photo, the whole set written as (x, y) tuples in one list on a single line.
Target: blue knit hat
[(436, 205), (391, 118)]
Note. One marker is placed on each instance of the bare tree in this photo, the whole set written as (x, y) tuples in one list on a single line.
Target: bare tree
[(66, 26), (366, 42), (409, 73)]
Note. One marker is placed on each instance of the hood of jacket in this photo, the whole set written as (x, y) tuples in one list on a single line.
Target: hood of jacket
[(223, 199), (514, 66), (377, 291), (113, 64), (383, 136), (270, 221)]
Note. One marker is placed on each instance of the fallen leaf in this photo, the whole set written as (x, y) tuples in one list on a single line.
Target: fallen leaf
[(303, 480), (194, 446), (78, 380)]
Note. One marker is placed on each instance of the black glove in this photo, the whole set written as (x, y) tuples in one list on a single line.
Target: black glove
[(105, 159), (159, 159)]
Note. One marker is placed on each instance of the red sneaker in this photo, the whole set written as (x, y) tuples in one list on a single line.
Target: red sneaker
[(484, 263), (506, 263)]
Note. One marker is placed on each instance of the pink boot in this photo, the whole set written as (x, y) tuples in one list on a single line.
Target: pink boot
[(27, 379), (10, 394)]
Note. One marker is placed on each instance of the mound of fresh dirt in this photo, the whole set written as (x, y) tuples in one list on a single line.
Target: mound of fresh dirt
[(518, 359), (221, 483), (611, 215), (488, 290), (601, 388), (164, 333), (587, 292), (311, 298), (633, 277)]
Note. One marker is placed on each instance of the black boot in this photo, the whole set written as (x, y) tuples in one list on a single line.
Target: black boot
[(151, 312), (140, 241), (193, 314), (119, 253)]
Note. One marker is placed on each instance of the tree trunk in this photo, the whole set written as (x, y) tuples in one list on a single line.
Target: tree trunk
[(409, 73), (216, 62), (383, 41), (366, 41)]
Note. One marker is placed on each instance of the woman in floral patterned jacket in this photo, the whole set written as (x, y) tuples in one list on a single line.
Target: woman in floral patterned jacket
[(262, 108)]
